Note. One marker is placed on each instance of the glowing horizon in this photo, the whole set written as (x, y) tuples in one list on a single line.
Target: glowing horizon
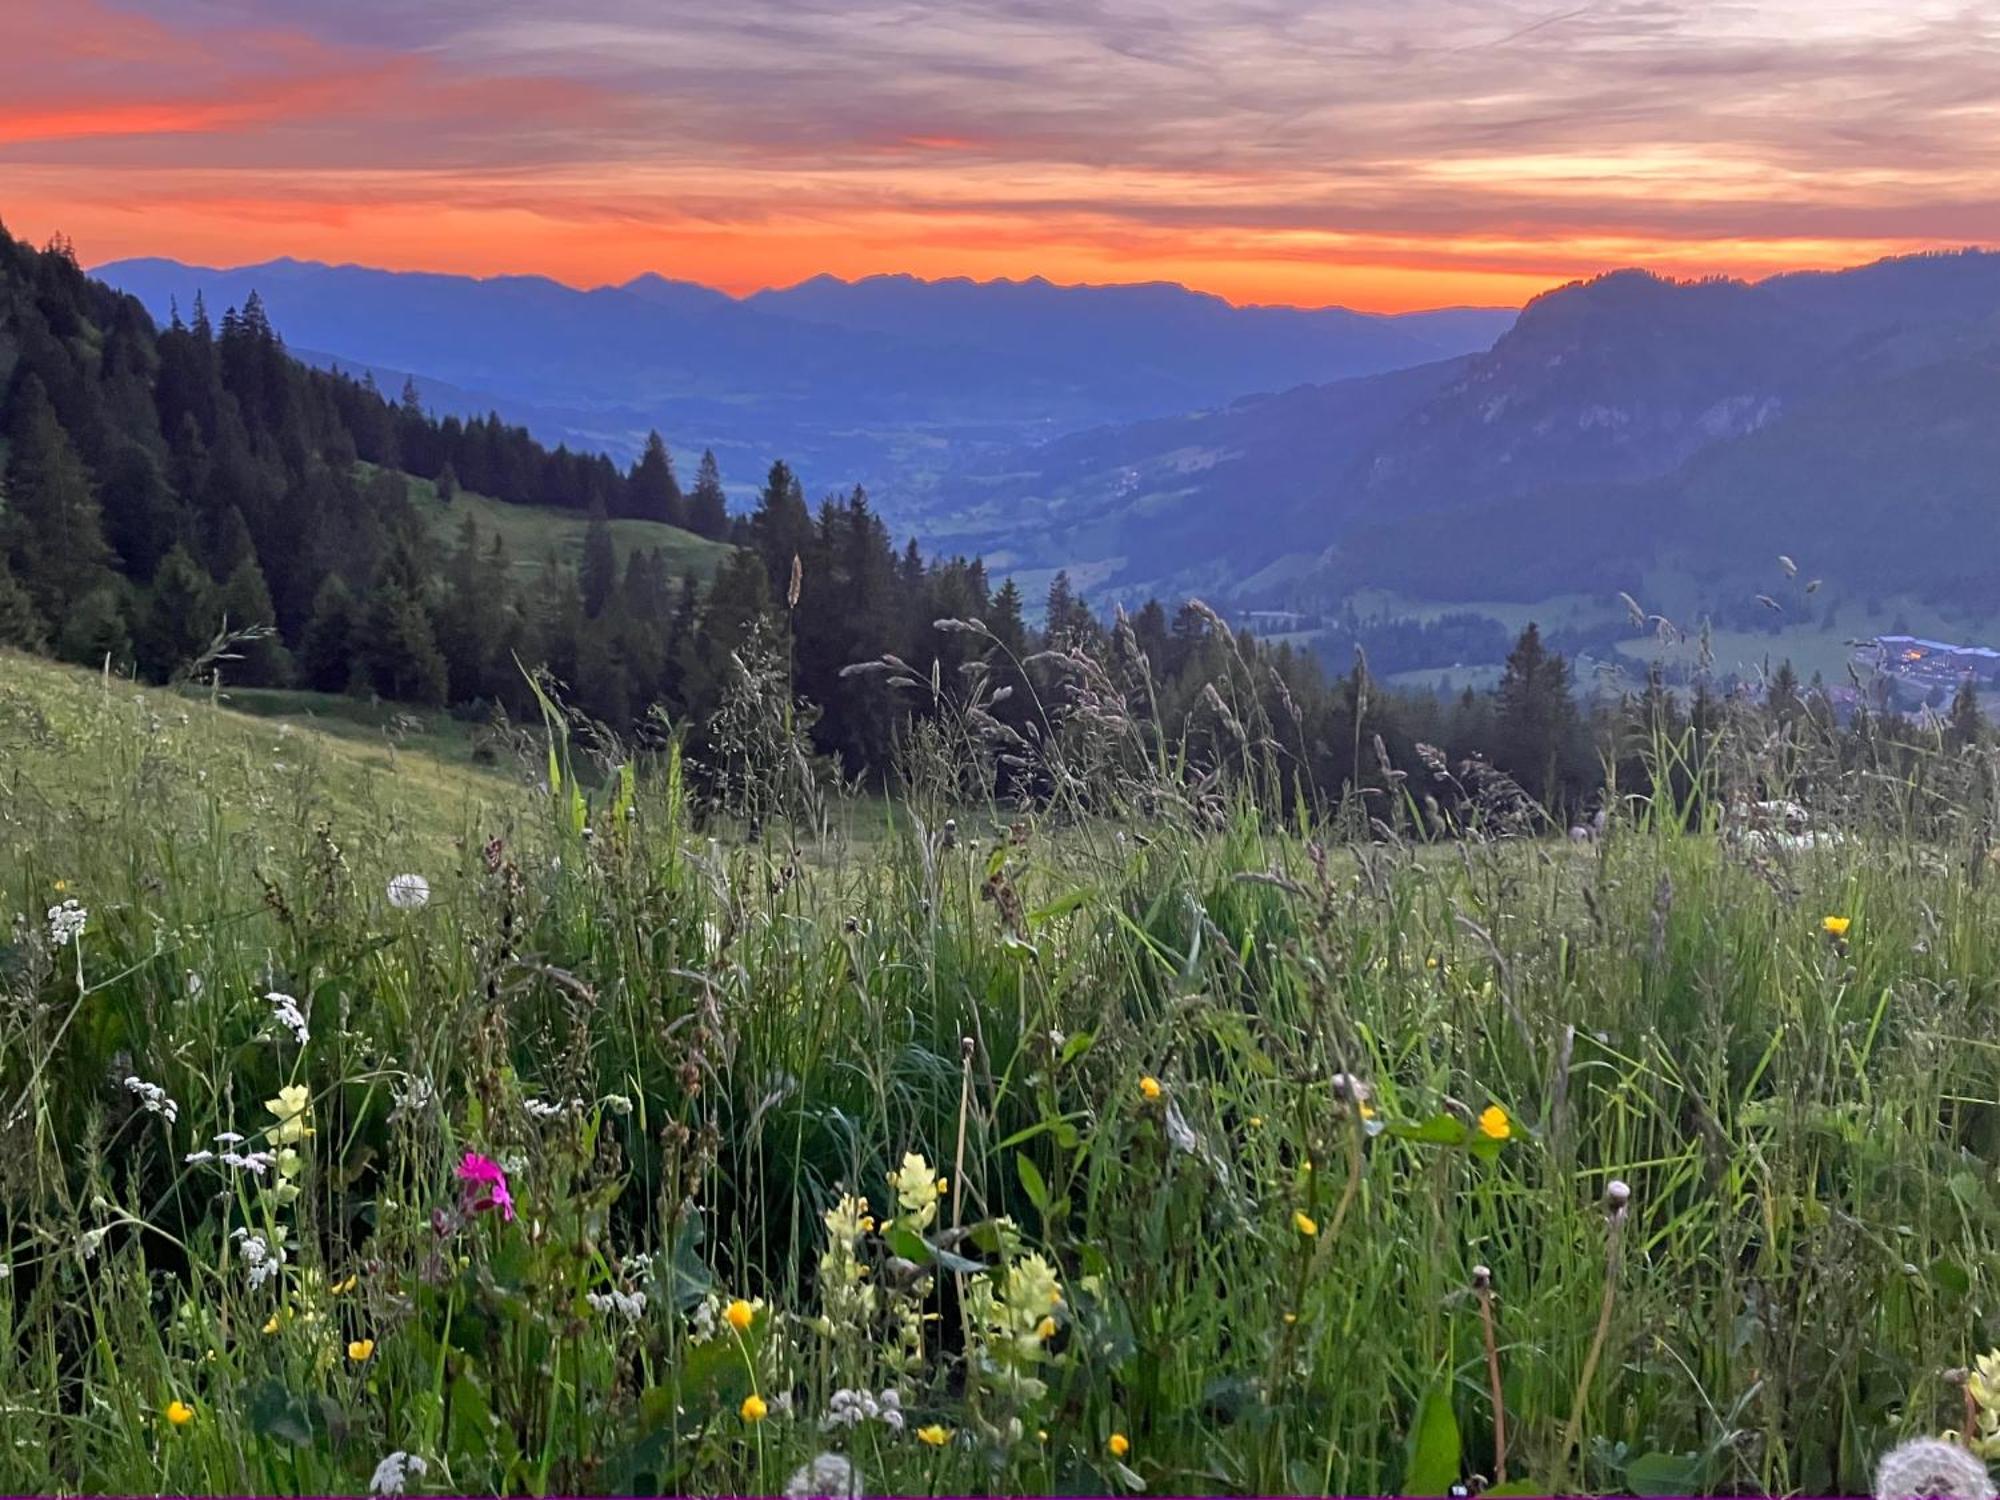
[(1380, 154)]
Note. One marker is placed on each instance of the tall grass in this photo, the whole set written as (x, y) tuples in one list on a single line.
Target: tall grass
[(1260, 1098)]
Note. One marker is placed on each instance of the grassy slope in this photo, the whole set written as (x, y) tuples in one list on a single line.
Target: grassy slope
[(532, 532), (72, 738)]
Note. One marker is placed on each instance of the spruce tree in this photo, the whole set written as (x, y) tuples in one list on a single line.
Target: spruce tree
[(651, 492), (52, 531), (1534, 717), (180, 616), (245, 604), (21, 626), (599, 571), (1966, 726), (327, 650), (708, 506)]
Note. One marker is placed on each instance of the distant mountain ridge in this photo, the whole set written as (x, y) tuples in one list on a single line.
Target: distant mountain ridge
[(1620, 422), (887, 381)]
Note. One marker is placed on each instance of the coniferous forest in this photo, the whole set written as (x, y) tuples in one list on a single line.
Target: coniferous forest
[(193, 501)]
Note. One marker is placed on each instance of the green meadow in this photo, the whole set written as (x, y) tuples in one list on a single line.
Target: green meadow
[(1137, 1141)]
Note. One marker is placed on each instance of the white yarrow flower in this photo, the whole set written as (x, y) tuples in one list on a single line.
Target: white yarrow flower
[(409, 892), (285, 1011), (66, 922), (628, 1305), (394, 1472), (154, 1099)]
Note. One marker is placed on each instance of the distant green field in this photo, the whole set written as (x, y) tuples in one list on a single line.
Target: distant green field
[(532, 532)]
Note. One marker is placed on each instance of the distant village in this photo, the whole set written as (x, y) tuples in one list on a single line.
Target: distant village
[(1927, 667)]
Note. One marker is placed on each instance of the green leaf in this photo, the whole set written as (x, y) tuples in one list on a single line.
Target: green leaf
[(276, 1413), (1031, 1182), (1062, 906), (1076, 1046), (1663, 1474), (1433, 1465), (946, 1260), (1514, 1487), (910, 1245), (1439, 1130), (1951, 1277)]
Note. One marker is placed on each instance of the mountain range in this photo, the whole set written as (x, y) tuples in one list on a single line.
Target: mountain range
[(1622, 427), (887, 382)]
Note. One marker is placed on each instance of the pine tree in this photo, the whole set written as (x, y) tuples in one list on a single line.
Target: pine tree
[(52, 531), (245, 603), (781, 528), (651, 492), (180, 616), (1966, 726), (1534, 717), (708, 506), (21, 627), (141, 517), (96, 630), (400, 650), (599, 572), (327, 650), (447, 483)]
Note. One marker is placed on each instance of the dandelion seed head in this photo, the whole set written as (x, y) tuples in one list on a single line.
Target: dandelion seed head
[(409, 893)]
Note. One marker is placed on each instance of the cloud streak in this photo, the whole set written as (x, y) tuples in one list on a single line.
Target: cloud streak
[(1382, 154)]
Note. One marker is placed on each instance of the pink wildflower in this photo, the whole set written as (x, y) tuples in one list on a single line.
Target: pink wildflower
[(485, 1186)]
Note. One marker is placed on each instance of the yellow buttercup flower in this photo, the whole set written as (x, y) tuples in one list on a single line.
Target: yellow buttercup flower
[(753, 1408), (360, 1349), (1304, 1224), (1119, 1444), (1835, 926), (740, 1315), (1494, 1124), (935, 1435), (179, 1413), (1150, 1087), (342, 1288), (271, 1326), (1046, 1329)]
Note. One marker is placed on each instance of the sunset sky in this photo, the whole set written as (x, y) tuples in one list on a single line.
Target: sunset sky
[(1383, 154)]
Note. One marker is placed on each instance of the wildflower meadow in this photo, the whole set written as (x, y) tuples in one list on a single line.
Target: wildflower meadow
[(377, 1124)]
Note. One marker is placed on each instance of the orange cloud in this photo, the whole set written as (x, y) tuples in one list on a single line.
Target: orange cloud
[(1403, 153)]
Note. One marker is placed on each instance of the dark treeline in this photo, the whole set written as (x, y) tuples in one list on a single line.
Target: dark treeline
[(168, 488)]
